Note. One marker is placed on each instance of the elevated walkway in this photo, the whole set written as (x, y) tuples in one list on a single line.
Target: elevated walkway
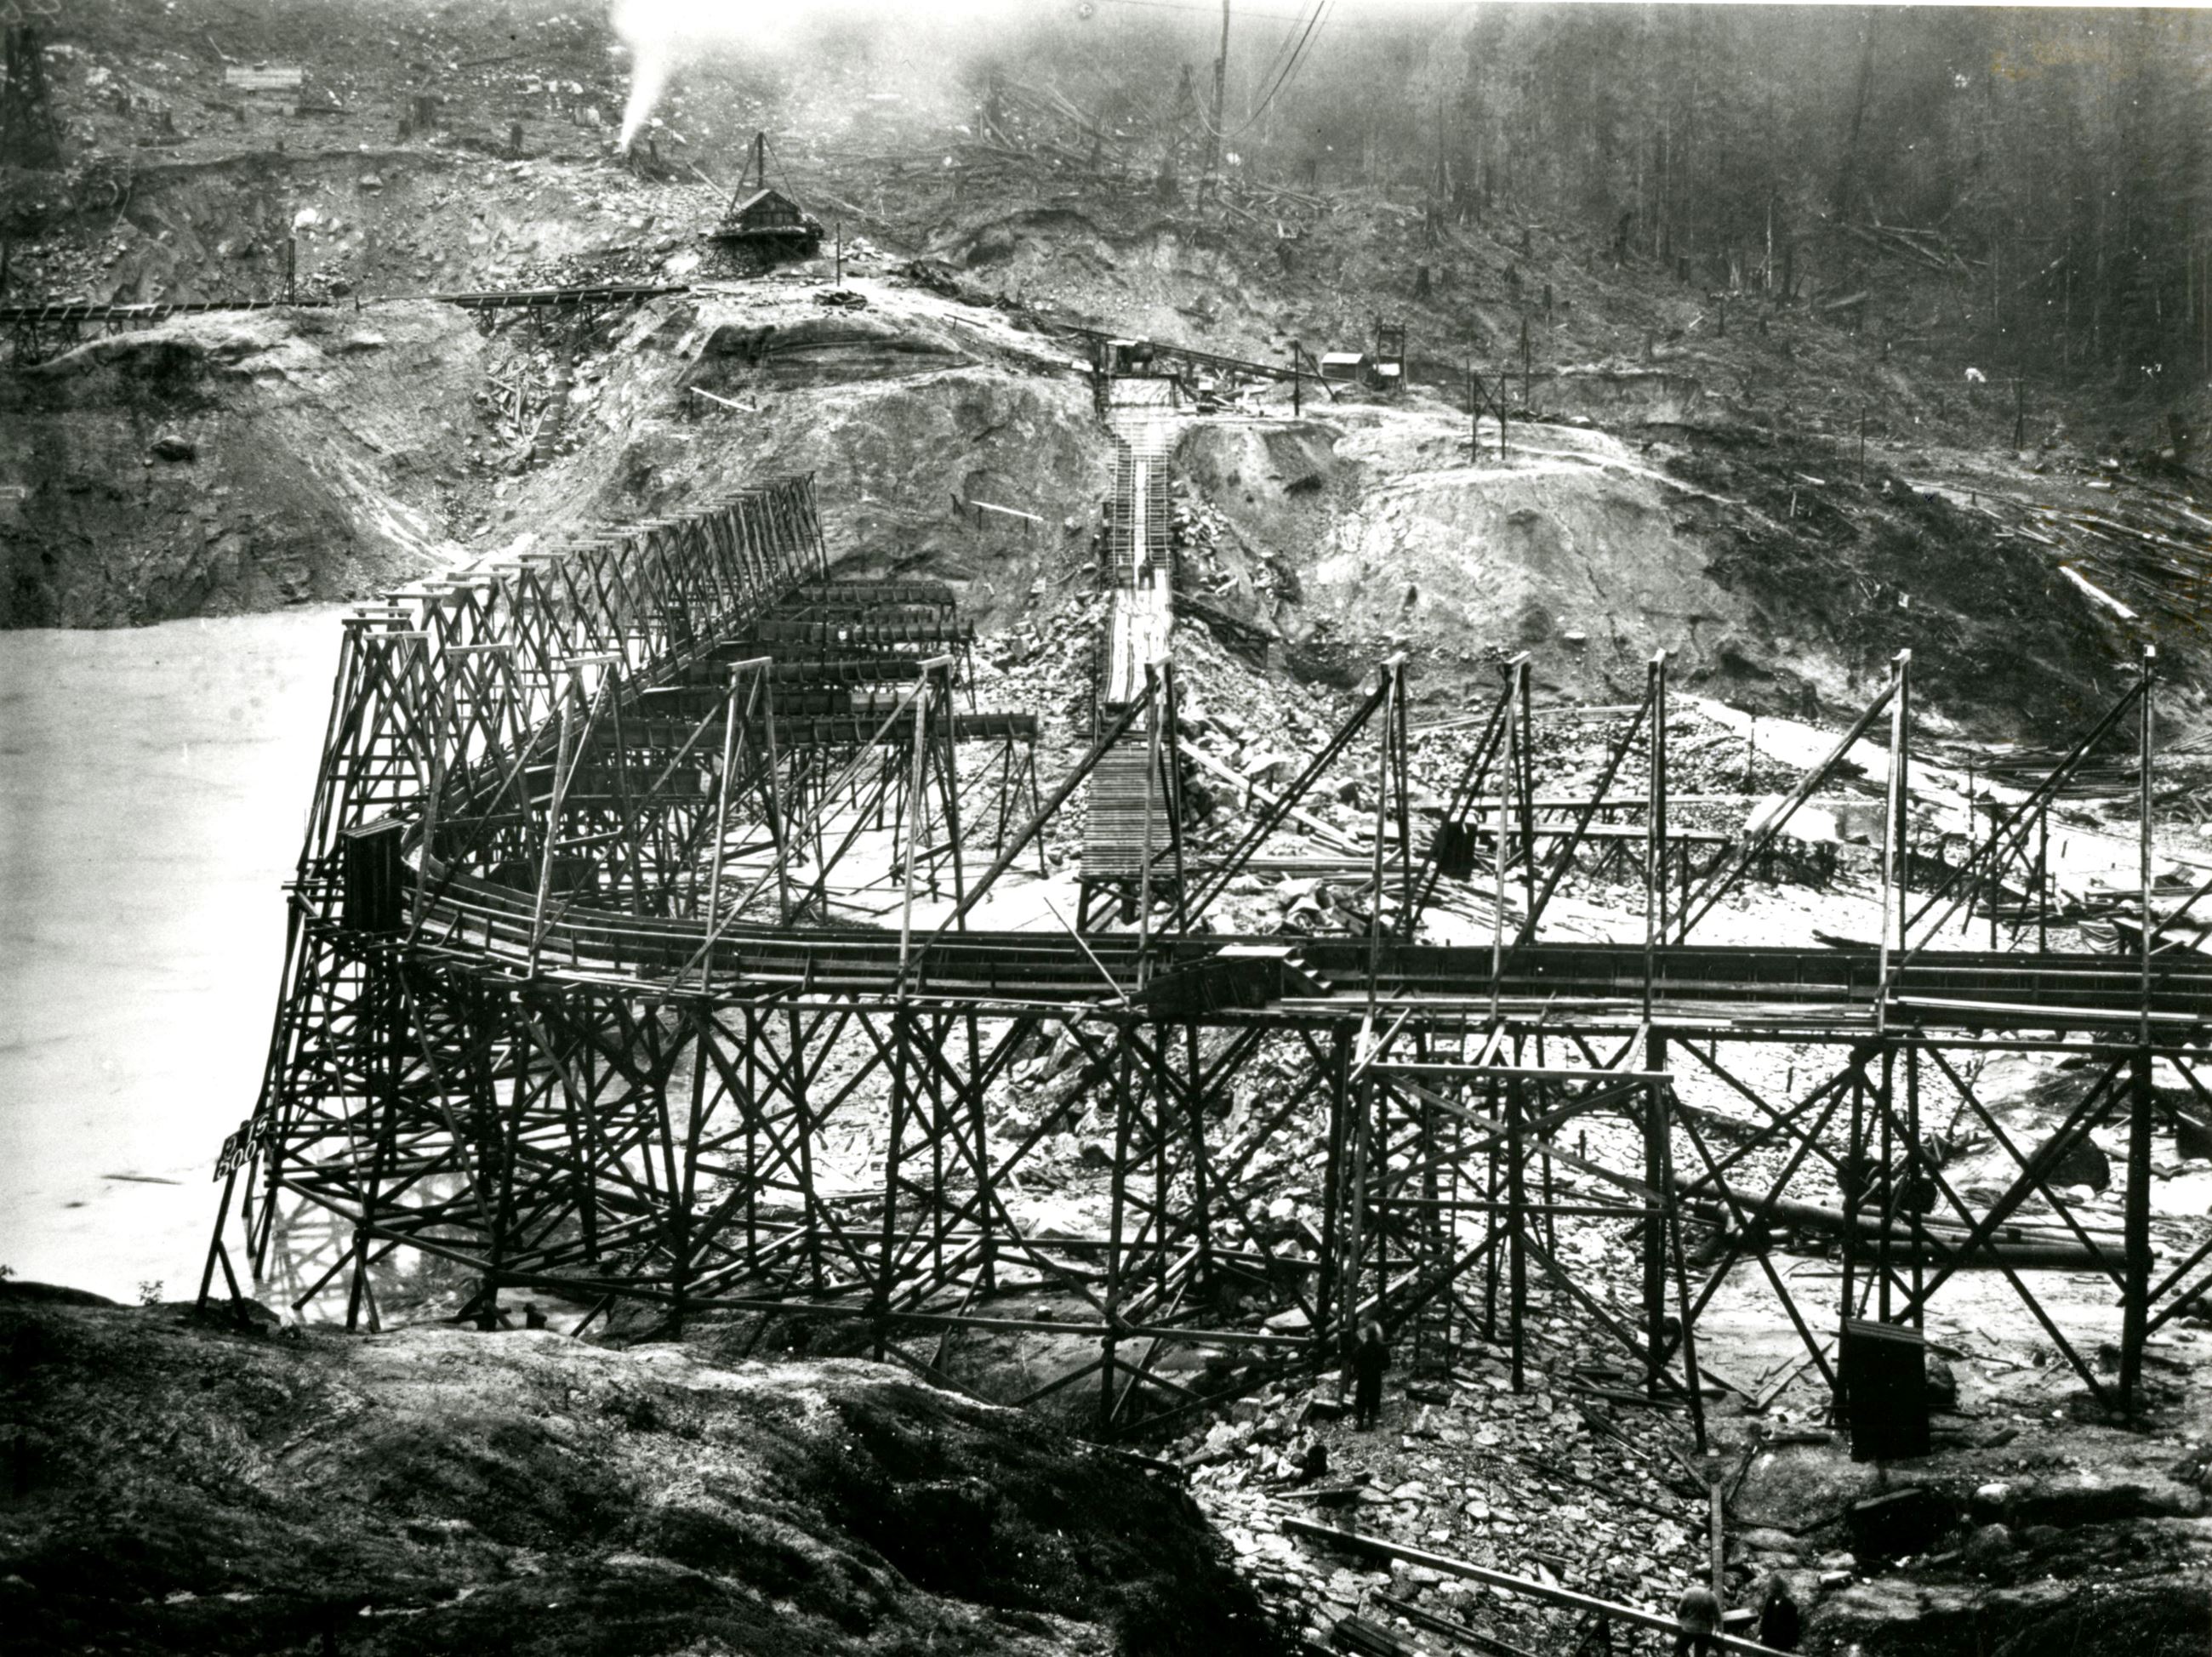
[(1137, 557)]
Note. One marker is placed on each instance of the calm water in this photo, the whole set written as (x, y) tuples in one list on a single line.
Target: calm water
[(153, 790)]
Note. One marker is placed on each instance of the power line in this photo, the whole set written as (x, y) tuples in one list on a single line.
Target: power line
[(1282, 46), (1292, 18), (1297, 55)]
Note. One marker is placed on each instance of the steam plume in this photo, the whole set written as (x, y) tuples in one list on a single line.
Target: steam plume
[(653, 30), (663, 34)]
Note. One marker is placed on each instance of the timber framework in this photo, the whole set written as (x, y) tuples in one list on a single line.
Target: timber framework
[(665, 933)]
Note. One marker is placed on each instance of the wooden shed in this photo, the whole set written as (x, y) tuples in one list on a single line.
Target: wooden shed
[(769, 220)]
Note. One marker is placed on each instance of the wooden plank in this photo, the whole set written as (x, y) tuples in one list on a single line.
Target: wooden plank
[(273, 77), (1613, 1611)]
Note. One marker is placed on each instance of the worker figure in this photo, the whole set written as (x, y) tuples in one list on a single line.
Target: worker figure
[(1780, 1624), (1697, 1619), (1368, 1360)]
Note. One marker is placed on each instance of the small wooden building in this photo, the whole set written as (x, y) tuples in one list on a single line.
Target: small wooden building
[(768, 221)]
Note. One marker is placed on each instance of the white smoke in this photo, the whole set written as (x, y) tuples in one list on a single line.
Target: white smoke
[(664, 34), (655, 32)]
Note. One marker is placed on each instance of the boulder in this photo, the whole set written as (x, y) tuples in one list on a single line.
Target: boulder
[(1989, 1551)]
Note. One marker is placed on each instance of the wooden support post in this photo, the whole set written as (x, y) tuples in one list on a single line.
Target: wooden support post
[(563, 767), (1505, 770), (1334, 1225), (1516, 1118), (380, 1019), (1201, 1206), (1117, 1202), (1654, 829), (1393, 688), (217, 1251), (1895, 853), (911, 810), (1915, 1184), (1717, 1535), (1853, 1178), (887, 1240), (2134, 1312), (803, 1122), (1525, 779), (1657, 1160), (1886, 1191)]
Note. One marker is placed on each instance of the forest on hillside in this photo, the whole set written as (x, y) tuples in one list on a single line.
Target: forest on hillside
[(2048, 165)]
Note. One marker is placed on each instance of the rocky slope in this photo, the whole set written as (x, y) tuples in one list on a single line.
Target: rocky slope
[(1693, 484), (220, 463), (177, 1486)]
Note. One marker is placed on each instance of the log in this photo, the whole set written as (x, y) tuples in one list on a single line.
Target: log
[(1942, 1240), (1588, 1604), (2097, 594)]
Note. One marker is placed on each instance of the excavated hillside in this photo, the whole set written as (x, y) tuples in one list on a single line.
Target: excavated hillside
[(232, 461), (1777, 500)]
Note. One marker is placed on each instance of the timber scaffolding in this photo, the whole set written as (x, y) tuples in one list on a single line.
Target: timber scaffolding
[(566, 1010), (1132, 839), (1105, 370)]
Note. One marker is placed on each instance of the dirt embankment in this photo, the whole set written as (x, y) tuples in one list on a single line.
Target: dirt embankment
[(1369, 528), (182, 1487), (909, 412), (223, 464)]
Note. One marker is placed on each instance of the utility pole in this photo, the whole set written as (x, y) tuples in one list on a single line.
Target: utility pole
[(1220, 106)]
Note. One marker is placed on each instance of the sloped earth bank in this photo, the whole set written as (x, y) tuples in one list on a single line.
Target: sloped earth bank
[(218, 464), (179, 1486), (1363, 529), (223, 464), (908, 410)]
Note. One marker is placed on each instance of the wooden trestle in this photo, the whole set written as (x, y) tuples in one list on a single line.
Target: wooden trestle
[(568, 1004)]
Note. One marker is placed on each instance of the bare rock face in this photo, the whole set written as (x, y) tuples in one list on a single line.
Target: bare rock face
[(179, 1485), (814, 351), (218, 464), (1396, 539)]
